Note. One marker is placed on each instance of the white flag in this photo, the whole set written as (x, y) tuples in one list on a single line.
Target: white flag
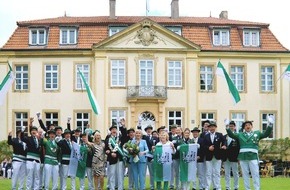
[(6, 84), (286, 74)]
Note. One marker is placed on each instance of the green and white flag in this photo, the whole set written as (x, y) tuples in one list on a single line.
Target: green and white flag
[(91, 96), (77, 163), (233, 89), (6, 84), (187, 166), (286, 74), (162, 163)]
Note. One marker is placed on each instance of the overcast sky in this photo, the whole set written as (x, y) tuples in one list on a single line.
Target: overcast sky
[(274, 13)]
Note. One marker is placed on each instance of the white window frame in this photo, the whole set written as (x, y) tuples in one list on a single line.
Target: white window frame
[(208, 83), (117, 114), (23, 121), (49, 119), (249, 39), (118, 70), (146, 69), (267, 87), (221, 38), (175, 29), (176, 119), (84, 120), (68, 36), (173, 79), (264, 124), (239, 118), (37, 30), (238, 77), (51, 72), (115, 29), (20, 81), (85, 69)]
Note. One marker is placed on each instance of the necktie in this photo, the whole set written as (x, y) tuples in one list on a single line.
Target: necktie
[(68, 142), (36, 142)]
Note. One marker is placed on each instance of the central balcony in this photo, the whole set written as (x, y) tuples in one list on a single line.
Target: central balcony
[(147, 92)]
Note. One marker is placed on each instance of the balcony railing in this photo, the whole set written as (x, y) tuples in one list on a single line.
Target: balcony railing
[(155, 92)]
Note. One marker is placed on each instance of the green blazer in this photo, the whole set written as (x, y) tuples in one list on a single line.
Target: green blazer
[(249, 144)]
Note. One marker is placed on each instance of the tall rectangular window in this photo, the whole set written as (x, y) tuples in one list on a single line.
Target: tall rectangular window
[(251, 38), (117, 114), (174, 117), (237, 76), (174, 76), (82, 119), (21, 119), (206, 78), (239, 118), (265, 124), (146, 73), (85, 69), (51, 77), (68, 35), (267, 79), (221, 37), (37, 36), (51, 118), (118, 73), (21, 77)]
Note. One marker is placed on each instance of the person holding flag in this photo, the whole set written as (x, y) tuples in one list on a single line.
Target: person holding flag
[(162, 160), (249, 146), (176, 140)]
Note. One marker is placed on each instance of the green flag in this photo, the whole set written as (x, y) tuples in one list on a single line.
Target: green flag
[(187, 166), (162, 163), (91, 96), (233, 89), (286, 74), (81, 170), (6, 84)]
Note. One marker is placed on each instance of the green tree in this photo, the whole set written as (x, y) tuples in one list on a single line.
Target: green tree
[(5, 150)]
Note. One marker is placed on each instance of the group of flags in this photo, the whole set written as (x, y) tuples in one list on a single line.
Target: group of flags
[(9, 79)]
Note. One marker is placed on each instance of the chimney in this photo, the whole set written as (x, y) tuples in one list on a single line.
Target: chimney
[(112, 9), (224, 15), (174, 9)]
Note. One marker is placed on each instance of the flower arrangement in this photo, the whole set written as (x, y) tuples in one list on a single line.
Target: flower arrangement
[(132, 149)]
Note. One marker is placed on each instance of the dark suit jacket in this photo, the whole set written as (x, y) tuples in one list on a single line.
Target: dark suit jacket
[(219, 141), (150, 142), (232, 151), (201, 150), (17, 146), (65, 150)]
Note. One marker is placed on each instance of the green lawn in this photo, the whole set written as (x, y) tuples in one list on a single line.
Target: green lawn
[(277, 183)]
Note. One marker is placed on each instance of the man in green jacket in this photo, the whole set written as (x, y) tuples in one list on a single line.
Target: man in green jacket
[(249, 145)]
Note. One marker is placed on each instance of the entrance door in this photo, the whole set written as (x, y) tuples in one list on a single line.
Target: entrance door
[(146, 118)]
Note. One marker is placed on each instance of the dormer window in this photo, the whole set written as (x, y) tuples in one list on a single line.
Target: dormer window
[(68, 35), (37, 36), (251, 37), (175, 29), (115, 29), (221, 37)]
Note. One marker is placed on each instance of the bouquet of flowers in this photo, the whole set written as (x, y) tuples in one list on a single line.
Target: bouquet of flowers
[(132, 149)]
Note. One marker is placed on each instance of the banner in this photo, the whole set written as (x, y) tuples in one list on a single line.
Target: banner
[(162, 163), (188, 157), (77, 163)]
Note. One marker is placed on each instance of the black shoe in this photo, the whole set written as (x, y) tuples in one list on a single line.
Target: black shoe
[(193, 189)]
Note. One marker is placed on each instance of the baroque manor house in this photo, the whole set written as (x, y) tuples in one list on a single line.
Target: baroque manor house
[(151, 70)]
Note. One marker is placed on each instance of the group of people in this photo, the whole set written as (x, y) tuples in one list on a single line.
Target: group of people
[(45, 156)]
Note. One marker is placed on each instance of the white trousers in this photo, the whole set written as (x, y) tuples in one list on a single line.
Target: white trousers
[(231, 166), (253, 166), (9, 173), (51, 172), (201, 172), (33, 173), (130, 176), (213, 169), (89, 173), (175, 173), (64, 169), (185, 185), (117, 170), (151, 174), (19, 173), (41, 176)]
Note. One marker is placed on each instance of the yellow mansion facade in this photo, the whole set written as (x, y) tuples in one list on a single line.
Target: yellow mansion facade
[(151, 70)]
